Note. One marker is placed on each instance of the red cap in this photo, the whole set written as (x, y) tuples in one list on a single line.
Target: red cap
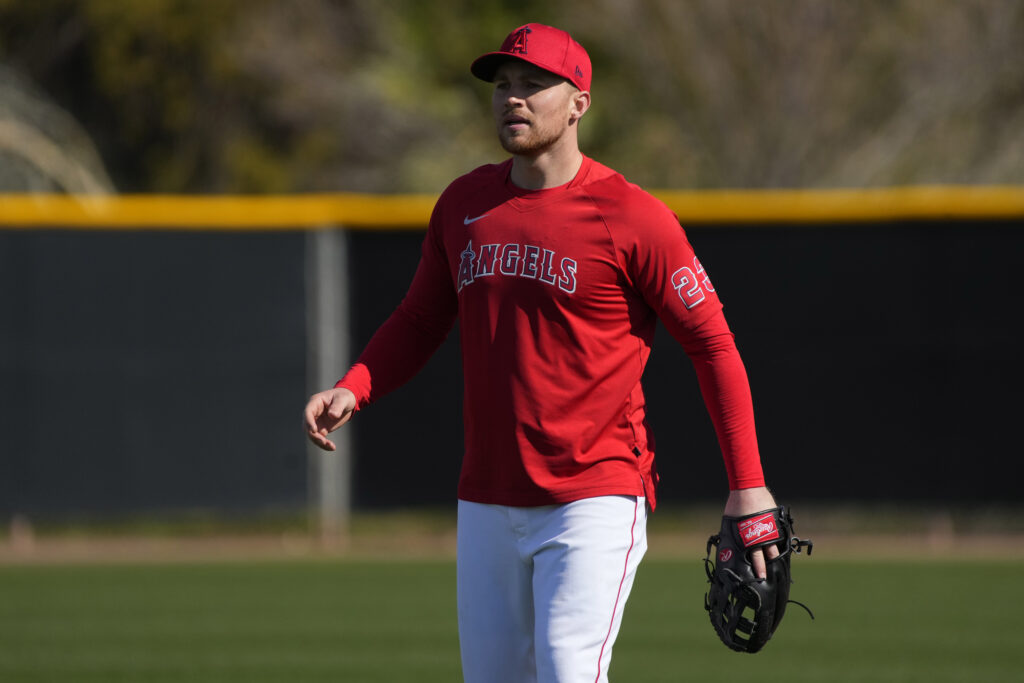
[(549, 48)]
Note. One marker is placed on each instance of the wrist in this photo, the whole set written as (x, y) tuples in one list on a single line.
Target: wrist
[(747, 501)]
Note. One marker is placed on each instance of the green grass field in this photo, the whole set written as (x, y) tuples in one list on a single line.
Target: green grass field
[(361, 621)]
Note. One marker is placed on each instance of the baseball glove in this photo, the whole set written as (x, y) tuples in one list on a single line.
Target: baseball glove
[(746, 610)]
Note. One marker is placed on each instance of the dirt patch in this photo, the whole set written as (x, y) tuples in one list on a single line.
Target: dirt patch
[(839, 532), (872, 546), (271, 547)]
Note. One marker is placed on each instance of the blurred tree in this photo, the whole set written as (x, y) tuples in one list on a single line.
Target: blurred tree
[(358, 95), (803, 93), (42, 148), (147, 79)]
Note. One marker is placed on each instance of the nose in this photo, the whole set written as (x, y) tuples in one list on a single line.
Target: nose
[(513, 99)]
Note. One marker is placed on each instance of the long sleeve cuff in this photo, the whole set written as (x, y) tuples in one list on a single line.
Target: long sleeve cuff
[(357, 380)]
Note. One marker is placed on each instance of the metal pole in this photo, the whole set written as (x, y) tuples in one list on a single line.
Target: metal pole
[(328, 355)]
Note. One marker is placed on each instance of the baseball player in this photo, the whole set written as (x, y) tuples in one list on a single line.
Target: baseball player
[(558, 270)]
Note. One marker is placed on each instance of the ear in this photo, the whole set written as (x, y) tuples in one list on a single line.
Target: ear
[(579, 103)]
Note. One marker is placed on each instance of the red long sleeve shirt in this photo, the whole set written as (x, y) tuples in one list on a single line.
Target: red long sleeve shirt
[(558, 293)]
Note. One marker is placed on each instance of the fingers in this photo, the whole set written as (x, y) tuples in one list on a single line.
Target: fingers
[(336, 409), (318, 436), (310, 416), (322, 442), (324, 413), (757, 561), (759, 557), (340, 408)]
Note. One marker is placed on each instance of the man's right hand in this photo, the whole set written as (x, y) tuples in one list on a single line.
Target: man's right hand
[(325, 412)]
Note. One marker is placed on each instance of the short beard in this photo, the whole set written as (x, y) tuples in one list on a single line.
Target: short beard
[(529, 145)]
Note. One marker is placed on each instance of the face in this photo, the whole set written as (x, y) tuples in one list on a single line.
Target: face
[(534, 109)]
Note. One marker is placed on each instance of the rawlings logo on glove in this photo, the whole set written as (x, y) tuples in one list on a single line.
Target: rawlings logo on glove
[(758, 529), (734, 586)]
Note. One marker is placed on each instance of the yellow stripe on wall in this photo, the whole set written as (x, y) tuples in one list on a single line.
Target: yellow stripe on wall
[(936, 202), (397, 212), (230, 212)]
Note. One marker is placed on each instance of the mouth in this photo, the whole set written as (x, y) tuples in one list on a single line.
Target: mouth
[(515, 122)]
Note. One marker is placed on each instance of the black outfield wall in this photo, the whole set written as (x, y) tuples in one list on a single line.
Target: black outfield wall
[(144, 372), (150, 371)]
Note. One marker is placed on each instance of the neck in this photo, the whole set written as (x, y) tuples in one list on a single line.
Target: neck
[(547, 169)]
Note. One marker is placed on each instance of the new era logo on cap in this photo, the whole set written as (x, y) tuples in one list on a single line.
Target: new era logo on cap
[(549, 48)]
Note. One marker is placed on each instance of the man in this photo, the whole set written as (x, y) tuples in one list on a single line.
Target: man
[(558, 270)]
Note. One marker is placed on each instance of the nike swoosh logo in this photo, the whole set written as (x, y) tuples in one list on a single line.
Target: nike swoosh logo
[(467, 220)]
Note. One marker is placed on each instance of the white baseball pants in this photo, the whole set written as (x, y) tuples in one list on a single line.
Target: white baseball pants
[(541, 590)]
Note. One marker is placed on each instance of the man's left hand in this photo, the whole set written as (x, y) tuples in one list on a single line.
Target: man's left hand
[(743, 502)]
